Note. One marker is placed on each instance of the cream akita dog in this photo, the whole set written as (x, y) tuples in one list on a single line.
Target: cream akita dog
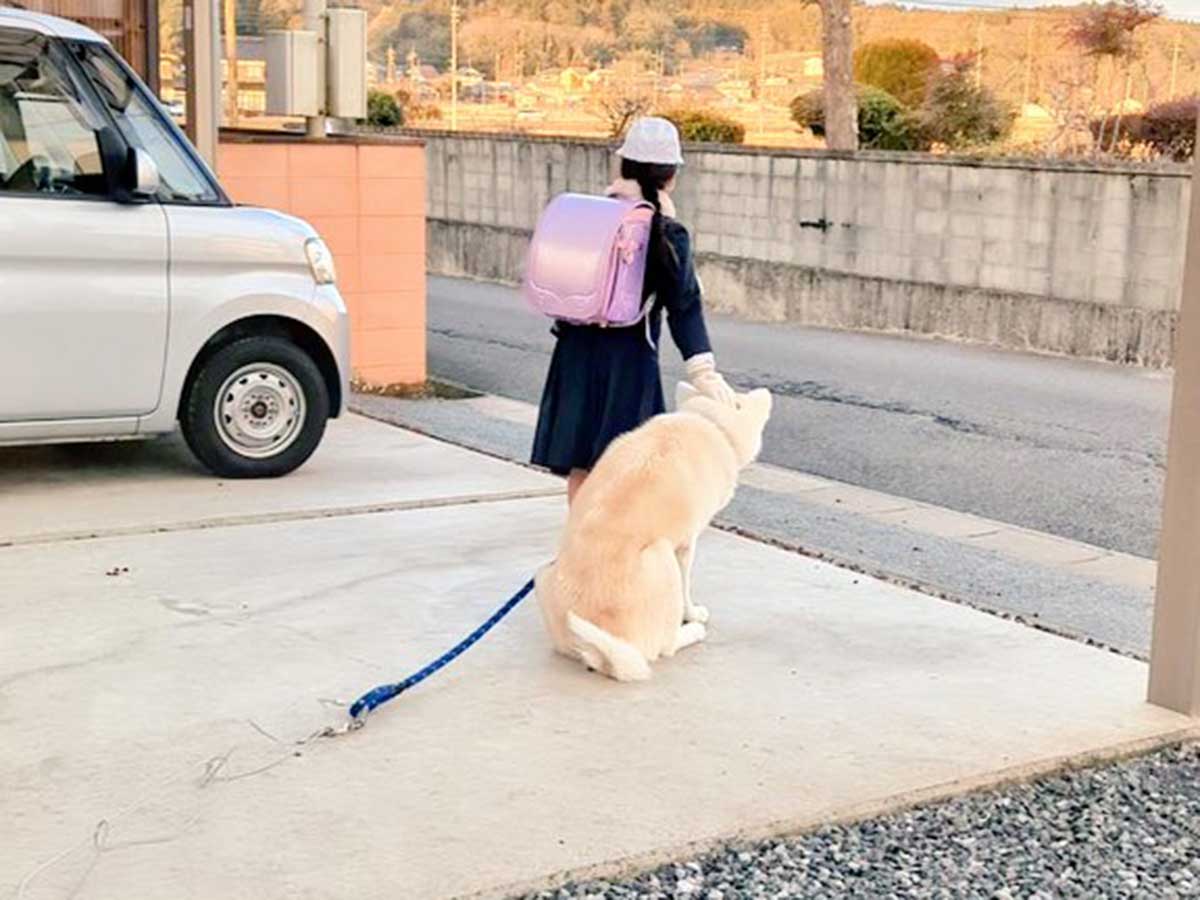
[(619, 595)]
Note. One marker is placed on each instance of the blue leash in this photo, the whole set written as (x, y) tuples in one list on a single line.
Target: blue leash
[(385, 692)]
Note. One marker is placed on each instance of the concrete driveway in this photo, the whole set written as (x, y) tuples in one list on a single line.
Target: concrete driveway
[(170, 643)]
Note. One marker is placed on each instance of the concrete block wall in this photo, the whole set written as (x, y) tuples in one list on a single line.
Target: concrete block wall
[(1062, 259)]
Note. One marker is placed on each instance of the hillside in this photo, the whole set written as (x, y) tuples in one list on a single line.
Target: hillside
[(1025, 53)]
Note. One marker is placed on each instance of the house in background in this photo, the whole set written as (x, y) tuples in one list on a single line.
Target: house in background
[(251, 77), (573, 80), (251, 74), (737, 90)]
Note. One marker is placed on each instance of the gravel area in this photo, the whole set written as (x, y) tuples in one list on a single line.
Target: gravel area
[(1130, 830)]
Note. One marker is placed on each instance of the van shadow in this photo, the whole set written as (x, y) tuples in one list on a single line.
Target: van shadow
[(100, 461)]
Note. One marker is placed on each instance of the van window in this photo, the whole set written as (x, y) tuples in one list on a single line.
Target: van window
[(143, 125), (48, 141)]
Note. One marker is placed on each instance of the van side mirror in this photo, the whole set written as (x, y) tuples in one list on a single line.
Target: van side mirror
[(144, 173), (132, 174)]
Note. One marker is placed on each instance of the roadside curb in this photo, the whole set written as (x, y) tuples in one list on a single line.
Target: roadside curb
[(1013, 541)]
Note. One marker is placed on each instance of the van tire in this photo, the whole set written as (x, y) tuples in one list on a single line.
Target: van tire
[(263, 379)]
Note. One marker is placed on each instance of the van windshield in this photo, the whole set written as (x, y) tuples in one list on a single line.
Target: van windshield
[(144, 126)]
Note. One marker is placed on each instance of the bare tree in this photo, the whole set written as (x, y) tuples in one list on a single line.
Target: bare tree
[(837, 51), (1107, 31), (1070, 92), (626, 96), (619, 109)]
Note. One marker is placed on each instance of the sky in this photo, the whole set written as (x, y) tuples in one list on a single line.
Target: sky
[(1176, 9)]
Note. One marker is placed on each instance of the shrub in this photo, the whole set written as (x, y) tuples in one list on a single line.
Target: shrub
[(415, 111), (960, 114), (883, 122), (704, 127), (902, 68), (383, 111), (1167, 128), (808, 110)]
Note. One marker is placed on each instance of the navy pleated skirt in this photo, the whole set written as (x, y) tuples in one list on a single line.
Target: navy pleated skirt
[(602, 383)]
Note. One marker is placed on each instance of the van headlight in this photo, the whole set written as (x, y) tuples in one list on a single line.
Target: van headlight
[(320, 261)]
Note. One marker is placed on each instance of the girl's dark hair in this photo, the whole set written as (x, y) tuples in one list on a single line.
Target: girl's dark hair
[(652, 178)]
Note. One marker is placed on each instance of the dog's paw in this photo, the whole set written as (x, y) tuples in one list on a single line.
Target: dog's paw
[(689, 634), (696, 614)]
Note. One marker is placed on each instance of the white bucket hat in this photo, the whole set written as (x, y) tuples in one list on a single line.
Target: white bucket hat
[(651, 139)]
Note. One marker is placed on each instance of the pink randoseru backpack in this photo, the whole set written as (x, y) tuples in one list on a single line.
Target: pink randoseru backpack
[(587, 260)]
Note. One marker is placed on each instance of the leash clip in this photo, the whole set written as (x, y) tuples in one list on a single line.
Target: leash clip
[(333, 731)]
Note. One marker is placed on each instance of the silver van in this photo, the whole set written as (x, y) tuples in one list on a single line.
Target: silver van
[(133, 294)]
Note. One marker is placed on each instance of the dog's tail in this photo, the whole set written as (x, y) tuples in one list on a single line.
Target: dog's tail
[(605, 653)]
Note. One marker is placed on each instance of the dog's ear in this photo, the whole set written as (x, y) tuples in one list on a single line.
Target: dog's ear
[(683, 393)]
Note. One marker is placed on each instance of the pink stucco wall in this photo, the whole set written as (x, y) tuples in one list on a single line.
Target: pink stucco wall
[(366, 197)]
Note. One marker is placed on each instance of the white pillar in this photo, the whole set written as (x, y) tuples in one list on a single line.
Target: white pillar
[(202, 49), (1175, 649)]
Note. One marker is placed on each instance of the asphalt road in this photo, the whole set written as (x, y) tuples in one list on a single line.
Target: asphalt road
[(1071, 448)]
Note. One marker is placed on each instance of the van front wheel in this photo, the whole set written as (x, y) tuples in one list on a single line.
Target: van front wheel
[(256, 409)]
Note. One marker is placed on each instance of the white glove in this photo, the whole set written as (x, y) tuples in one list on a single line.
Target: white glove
[(702, 373)]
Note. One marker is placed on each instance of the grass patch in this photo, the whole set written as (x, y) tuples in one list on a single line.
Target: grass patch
[(432, 389)]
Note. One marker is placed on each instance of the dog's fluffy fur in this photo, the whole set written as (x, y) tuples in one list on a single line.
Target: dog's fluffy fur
[(618, 595)]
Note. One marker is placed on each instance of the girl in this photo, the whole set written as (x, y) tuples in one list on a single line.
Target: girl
[(604, 382)]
